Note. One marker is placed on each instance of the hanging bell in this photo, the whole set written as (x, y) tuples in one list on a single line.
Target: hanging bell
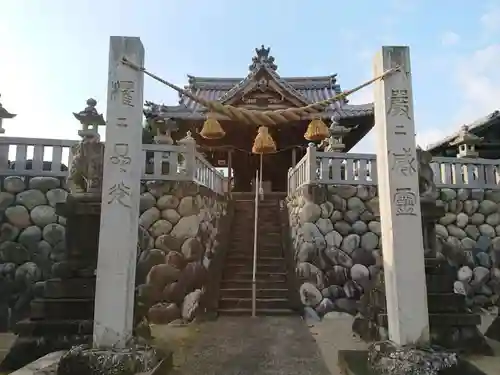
[(212, 129), (316, 130), (264, 142)]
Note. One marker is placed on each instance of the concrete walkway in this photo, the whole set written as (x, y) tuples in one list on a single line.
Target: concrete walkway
[(253, 346)]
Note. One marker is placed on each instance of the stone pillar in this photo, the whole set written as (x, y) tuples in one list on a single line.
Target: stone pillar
[(402, 242), (114, 301)]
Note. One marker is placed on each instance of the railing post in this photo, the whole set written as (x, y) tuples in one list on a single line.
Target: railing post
[(311, 163), (4, 156), (288, 180)]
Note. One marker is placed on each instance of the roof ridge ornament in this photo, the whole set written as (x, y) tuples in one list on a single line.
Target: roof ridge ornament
[(261, 58)]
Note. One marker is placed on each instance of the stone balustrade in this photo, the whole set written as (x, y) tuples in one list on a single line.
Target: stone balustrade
[(52, 158), (361, 169)]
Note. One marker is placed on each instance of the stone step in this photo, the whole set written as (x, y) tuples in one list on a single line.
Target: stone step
[(265, 268), (261, 303), (445, 319), (248, 217), (235, 256), (70, 288), (436, 302), (262, 204), (247, 275), (260, 244), (249, 243), (247, 283), (262, 224), (29, 327), (248, 232), (247, 293), (64, 308), (247, 239), (272, 218), (262, 237), (261, 253), (260, 312), (249, 212)]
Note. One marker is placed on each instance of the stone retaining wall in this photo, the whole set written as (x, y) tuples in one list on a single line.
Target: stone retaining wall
[(178, 226), (336, 239)]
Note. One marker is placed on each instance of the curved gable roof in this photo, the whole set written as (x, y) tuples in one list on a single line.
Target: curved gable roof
[(305, 89)]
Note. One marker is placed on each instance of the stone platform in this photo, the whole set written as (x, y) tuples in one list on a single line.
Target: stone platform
[(48, 365), (62, 311), (355, 362)]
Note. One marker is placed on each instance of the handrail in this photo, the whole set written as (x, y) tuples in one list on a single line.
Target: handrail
[(254, 267)]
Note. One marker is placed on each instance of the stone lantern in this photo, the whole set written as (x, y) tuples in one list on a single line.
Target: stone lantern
[(90, 120), (188, 160), (335, 142), (162, 126), (466, 143), (4, 114)]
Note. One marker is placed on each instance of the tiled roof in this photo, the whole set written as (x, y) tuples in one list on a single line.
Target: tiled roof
[(474, 128), (311, 89), (306, 89)]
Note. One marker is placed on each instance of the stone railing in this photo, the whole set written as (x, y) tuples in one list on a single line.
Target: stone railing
[(361, 169), (180, 211), (46, 157), (52, 157), (180, 163)]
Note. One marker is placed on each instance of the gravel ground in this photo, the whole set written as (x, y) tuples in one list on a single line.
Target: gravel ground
[(253, 346)]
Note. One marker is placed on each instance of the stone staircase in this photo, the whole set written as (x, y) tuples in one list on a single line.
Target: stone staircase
[(236, 285)]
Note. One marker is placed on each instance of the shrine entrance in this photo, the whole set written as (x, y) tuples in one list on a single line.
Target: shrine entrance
[(274, 171)]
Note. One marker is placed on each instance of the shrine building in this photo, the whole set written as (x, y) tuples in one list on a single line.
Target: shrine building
[(264, 89)]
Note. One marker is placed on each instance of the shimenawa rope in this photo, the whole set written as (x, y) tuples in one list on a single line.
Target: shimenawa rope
[(261, 118)]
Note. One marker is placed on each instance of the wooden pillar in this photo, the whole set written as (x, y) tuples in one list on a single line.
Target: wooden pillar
[(399, 200)]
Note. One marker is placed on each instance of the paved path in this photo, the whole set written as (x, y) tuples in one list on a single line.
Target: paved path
[(254, 346)]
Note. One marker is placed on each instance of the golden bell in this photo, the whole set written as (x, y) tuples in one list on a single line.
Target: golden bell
[(316, 131), (263, 143), (212, 129)]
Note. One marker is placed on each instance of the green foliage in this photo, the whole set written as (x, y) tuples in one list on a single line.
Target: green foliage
[(147, 133)]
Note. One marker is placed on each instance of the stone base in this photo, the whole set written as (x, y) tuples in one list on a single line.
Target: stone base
[(48, 365), (136, 359), (44, 365), (355, 362), (28, 349), (465, 339), (493, 331)]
